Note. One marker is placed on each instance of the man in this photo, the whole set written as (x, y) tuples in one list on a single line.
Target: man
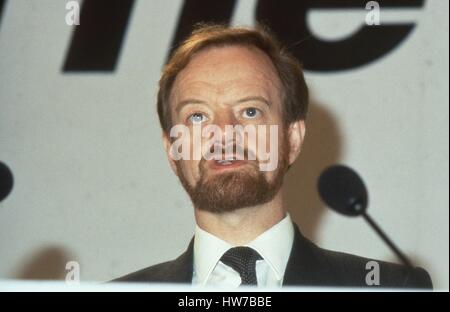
[(221, 77)]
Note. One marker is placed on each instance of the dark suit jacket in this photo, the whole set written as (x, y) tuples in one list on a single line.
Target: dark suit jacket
[(308, 265)]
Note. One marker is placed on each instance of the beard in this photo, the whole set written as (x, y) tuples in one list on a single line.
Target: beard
[(232, 190)]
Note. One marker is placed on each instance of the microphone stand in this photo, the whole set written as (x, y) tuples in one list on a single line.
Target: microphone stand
[(387, 240)]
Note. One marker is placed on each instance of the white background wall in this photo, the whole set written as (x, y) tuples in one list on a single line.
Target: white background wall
[(92, 183)]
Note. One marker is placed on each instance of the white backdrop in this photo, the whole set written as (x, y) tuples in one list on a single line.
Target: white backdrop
[(92, 184)]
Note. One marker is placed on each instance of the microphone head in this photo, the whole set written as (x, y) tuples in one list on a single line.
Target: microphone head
[(343, 190), (6, 181)]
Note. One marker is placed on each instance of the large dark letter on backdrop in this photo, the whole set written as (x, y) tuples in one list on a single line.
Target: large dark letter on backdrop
[(200, 11), (2, 4), (97, 41), (288, 20)]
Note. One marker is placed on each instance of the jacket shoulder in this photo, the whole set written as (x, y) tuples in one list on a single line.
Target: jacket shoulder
[(356, 271), (175, 271), (156, 273)]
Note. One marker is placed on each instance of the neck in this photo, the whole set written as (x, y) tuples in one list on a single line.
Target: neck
[(243, 225)]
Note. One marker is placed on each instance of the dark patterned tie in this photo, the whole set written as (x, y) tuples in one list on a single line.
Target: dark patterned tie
[(243, 261)]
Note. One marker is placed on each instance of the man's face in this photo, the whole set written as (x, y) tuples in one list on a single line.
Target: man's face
[(229, 86)]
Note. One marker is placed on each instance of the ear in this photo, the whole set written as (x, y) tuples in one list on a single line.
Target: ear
[(169, 152), (296, 134)]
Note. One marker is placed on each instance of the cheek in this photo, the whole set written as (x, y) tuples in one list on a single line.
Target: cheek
[(190, 170)]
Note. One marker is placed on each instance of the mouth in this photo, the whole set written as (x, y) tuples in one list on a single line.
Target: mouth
[(227, 163)]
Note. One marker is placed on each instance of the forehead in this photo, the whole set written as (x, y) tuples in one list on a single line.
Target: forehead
[(228, 71)]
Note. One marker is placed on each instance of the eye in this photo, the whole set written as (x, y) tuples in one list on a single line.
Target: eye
[(251, 113), (197, 118)]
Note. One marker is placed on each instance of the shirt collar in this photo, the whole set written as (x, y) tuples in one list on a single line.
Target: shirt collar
[(208, 249), (274, 245)]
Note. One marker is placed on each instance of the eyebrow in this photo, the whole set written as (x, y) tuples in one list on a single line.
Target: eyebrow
[(255, 98), (243, 100), (188, 101)]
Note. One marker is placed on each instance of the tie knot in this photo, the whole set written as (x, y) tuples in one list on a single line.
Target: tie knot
[(243, 261)]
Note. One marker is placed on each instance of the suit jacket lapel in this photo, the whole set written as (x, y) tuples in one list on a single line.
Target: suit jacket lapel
[(304, 266), (181, 269)]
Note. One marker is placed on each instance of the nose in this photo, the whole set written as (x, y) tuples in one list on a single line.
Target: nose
[(226, 121)]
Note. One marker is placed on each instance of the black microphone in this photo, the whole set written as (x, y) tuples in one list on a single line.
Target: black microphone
[(6, 181), (344, 191)]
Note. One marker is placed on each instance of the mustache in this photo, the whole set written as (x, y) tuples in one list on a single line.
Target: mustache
[(243, 152)]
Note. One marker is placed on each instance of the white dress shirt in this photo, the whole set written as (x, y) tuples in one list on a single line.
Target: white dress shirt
[(274, 246)]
